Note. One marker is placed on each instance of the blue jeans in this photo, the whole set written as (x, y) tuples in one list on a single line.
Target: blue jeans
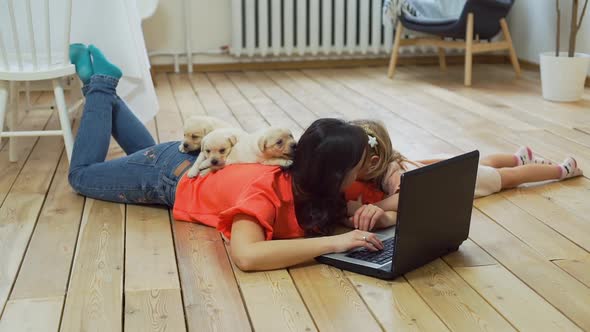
[(147, 175)]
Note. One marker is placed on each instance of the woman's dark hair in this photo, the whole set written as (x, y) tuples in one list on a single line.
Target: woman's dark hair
[(326, 152)]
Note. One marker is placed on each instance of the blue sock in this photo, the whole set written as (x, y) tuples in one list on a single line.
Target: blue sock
[(80, 57), (101, 65)]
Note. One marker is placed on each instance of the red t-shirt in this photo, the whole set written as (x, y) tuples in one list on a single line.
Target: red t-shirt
[(369, 191), (263, 192)]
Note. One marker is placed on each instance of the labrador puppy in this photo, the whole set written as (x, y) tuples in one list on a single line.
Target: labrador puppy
[(197, 127), (270, 146), (215, 147)]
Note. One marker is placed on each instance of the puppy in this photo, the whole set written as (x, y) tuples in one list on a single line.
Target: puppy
[(197, 127), (215, 147), (271, 146)]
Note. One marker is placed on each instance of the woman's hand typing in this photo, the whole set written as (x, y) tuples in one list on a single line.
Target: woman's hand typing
[(356, 239)]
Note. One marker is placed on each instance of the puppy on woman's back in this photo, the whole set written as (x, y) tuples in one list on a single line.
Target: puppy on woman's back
[(195, 128), (271, 146)]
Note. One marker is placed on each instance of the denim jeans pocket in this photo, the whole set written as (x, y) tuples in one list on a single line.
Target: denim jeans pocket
[(149, 156)]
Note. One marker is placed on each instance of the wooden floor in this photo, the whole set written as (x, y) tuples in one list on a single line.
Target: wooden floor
[(74, 264)]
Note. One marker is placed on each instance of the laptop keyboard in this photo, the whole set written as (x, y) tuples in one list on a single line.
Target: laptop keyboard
[(377, 257)]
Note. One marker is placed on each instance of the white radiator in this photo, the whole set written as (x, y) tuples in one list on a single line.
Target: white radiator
[(309, 27)]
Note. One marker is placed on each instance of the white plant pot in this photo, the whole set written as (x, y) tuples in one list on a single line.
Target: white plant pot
[(563, 77)]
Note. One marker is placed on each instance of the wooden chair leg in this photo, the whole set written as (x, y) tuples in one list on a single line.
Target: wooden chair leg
[(442, 59), (64, 119), (469, 49), (12, 121), (394, 52), (513, 57)]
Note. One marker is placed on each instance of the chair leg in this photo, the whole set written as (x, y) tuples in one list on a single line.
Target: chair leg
[(3, 104), (12, 121), (64, 119), (442, 59), (469, 49), (513, 57), (394, 52)]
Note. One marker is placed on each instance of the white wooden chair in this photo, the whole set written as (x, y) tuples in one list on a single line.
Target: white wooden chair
[(26, 55)]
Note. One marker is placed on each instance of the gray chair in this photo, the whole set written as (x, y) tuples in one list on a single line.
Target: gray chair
[(482, 19)]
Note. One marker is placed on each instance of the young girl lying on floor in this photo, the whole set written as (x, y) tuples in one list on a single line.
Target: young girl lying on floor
[(377, 185)]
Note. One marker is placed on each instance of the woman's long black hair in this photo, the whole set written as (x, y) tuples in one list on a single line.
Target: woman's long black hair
[(326, 152)]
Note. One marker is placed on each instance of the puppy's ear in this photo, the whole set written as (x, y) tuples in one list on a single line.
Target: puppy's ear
[(262, 142), (203, 143), (233, 139)]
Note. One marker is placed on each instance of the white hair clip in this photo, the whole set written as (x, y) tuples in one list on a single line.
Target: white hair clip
[(373, 141)]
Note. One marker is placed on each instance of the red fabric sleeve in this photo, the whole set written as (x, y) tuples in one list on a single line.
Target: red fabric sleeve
[(255, 203)]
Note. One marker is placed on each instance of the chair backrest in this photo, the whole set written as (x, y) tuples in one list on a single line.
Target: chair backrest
[(487, 14), (34, 34)]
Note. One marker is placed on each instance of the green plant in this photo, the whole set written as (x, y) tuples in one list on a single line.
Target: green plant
[(575, 25)]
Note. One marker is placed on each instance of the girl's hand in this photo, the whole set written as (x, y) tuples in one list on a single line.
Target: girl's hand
[(356, 239), (352, 206), (366, 217)]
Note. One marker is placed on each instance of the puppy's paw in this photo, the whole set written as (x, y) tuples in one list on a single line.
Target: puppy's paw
[(204, 172), (278, 162), (181, 148), (193, 172)]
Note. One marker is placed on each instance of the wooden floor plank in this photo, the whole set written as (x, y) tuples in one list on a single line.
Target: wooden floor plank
[(396, 305), (413, 141), (273, 114), (465, 130), (185, 96), (549, 243), (32, 315), (457, 304), (286, 102), (211, 100), (332, 300), (168, 119), (150, 262), (564, 292), (247, 115), (154, 310), (571, 194), (318, 106), (18, 214), (95, 295), (33, 120), (526, 310), (469, 254), (574, 227), (212, 300), (578, 268), (46, 268), (273, 301)]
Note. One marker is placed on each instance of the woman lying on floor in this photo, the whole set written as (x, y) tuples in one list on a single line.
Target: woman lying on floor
[(250, 204)]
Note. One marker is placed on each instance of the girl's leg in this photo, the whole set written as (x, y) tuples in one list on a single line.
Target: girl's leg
[(92, 140), (523, 156), (128, 131), (515, 176)]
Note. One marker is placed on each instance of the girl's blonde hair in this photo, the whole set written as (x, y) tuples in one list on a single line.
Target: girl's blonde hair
[(383, 149)]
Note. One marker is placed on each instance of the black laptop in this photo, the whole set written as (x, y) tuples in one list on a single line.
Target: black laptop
[(434, 213)]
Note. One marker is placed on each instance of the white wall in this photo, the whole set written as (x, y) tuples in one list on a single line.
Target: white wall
[(533, 28), (210, 23)]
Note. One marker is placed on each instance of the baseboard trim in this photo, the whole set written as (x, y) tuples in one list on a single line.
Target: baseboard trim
[(535, 66), (315, 64)]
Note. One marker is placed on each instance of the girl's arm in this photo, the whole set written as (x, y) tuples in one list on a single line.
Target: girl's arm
[(250, 252)]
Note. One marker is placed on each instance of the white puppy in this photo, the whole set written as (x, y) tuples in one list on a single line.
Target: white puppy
[(215, 147), (197, 127), (270, 146)]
